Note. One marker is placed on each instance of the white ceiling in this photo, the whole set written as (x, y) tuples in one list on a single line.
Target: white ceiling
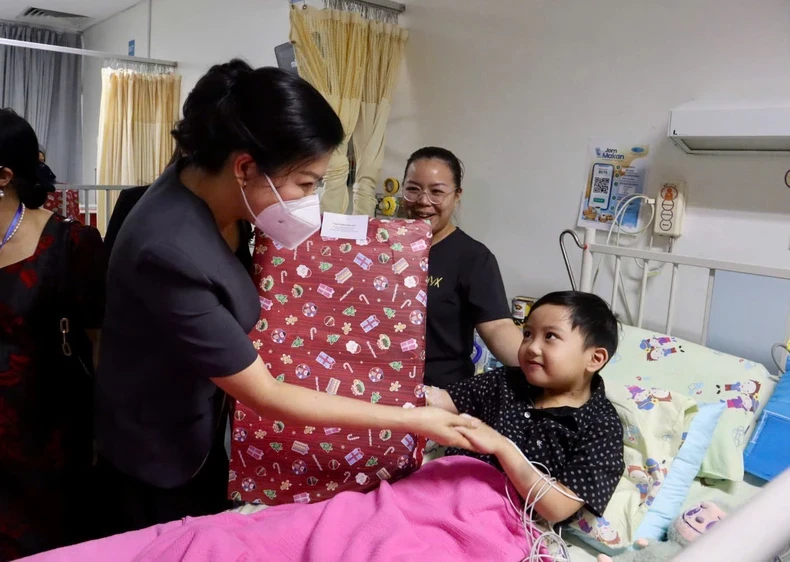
[(96, 9)]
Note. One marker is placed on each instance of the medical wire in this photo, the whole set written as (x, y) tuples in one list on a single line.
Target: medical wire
[(619, 215), (527, 515)]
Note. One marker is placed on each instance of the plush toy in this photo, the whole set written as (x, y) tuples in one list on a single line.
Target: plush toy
[(686, 528)]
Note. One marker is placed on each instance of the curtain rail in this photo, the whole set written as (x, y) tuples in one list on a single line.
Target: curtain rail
[(384, 4), (84, 52), (381, 4)]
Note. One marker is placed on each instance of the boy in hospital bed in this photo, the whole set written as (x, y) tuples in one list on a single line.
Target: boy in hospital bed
[(552, 412)]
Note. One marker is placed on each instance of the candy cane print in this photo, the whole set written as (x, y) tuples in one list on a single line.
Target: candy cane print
[(309, 245), (370, 347), (363, 298), (283, 275), (242, 460), (347, 476), (295, 249), (313, 332), (395, 292), (276, 466), (315, 458), (413, 372), (352, 437), (317, 388), (370, 437), (388, 451), (407, 302), (351, 290), (348, 367)]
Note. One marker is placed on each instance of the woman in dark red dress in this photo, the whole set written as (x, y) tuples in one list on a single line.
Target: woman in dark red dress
[(52, 273)]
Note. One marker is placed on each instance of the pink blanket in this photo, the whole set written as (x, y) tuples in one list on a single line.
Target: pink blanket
[(452, 509)]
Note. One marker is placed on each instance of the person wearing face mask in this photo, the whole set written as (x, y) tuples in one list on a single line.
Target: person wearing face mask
[(465, 288), (180, 305)]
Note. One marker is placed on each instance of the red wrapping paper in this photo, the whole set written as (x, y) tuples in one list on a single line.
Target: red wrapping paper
[(343, 317), (54, 203)]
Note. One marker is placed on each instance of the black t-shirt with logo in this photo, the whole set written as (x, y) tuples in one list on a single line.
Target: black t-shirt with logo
[(465, 289)]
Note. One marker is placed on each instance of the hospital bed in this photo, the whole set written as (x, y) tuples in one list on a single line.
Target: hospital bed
[(730, 494), (729, 543)]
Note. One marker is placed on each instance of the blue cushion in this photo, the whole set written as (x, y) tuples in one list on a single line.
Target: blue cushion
[(675, 489), (768, 454)]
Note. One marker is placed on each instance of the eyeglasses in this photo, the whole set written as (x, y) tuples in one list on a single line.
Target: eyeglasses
[(413, 194)]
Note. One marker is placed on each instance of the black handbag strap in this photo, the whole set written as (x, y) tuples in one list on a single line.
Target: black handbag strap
[(72, 342)]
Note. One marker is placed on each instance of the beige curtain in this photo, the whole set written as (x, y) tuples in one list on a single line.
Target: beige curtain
[(331, 54), (138, 110), (386, 43)]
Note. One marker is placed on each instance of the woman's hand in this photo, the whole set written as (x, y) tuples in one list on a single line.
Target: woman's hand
[(483, 439), (442, 426), (255, 387)]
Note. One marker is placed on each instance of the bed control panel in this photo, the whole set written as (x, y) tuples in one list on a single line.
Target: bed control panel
[(670, 208)]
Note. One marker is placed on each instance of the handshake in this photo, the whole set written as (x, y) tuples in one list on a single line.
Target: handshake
[(440, 422)]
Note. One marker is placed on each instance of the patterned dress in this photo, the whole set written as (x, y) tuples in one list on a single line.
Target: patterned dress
[(45, 402)]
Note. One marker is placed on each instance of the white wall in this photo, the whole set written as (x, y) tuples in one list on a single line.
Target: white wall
[(517, 87), (199, 33)]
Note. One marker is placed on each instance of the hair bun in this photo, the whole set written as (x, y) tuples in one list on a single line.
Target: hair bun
[(33, 192), (202, 112), (234, 72), (45, 178), (279, 119)]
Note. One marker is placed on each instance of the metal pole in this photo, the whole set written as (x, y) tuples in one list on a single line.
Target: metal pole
[(565, 254), (672, 290), (586, 280), (708, 306), (83, 52)]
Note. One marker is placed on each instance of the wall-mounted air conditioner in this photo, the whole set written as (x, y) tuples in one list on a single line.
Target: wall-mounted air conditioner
[(732, 127)]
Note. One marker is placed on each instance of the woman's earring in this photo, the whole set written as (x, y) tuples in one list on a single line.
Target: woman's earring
[(2, 193)]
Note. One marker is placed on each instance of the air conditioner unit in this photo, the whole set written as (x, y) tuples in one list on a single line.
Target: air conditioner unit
[(743, 127)]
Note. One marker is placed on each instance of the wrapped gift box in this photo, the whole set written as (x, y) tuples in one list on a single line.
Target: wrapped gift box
[(54, 203), (347, 318)]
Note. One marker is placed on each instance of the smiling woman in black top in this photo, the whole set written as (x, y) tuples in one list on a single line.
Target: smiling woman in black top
[(180, 305), (465, 288)]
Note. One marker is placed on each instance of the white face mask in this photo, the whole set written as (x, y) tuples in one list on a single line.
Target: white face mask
[(288, 222)]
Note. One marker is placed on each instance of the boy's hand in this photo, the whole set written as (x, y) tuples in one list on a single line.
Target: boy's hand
[(484, 439)]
